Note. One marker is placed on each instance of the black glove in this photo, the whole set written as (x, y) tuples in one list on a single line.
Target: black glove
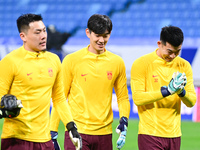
[(74, 135), (10, 106), (4, 113), (54, 136), (10, 102)]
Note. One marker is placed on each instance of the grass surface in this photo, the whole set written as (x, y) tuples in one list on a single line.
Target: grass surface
[(190, 139)]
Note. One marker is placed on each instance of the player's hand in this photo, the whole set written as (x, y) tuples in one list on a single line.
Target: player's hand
[(177, 82), (54, 136), (10, 106), (121, 130), (9, 113), (181, 92), (74, 135), (10, 102)]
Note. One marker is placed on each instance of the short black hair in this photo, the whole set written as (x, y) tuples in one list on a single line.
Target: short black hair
[(24, 20), (99, 24), (172, 34)]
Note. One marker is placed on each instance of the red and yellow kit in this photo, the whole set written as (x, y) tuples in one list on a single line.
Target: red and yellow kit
[(34, 78), (159, 116), (89, 80)]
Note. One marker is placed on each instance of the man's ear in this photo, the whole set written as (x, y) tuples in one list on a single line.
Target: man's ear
[(159, 43), (87, 31), (22, 36)]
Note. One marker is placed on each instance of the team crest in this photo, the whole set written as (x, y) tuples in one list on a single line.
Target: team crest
[(50, 71), (109, 75)]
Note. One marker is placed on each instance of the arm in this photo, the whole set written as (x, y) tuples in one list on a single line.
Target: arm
[(55, 119), (138, 85), (7, 75), (123, 104), (59, 100), (10, 106), (62, 108), (189, 99), (121, 91)]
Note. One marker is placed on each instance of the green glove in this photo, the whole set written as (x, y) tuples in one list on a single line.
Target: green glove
[(176, 84)]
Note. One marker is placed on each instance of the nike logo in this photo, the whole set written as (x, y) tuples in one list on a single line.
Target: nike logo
[(84, 74), (155, 76), (28, 74)]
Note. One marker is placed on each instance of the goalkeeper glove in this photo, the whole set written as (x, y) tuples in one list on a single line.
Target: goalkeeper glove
[(177, 82), (181, 92), (4, 113), (54, 136), (74, 135), (121, 130), (11, 106), (10, 102)]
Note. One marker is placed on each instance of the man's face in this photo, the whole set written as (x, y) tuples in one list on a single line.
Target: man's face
[(168, 52), (35, 37), (97, 41)]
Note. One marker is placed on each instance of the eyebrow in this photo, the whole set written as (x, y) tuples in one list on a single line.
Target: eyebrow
[(102, 33), (173, 50), (107, 33), (40, 29)]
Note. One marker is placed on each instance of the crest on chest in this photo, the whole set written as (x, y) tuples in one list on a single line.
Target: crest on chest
[(109, 75)]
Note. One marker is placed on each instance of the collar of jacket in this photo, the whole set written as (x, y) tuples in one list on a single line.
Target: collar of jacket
[(30, 54), (96, 55)]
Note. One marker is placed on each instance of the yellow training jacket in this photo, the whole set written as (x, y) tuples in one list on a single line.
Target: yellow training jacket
[(89, 80), (34, 78), (159, 116)]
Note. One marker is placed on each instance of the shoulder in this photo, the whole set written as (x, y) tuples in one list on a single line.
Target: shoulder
[(51, 55), (75, 56), (13, 55), (182, 62), (147, 58), (115, 57)]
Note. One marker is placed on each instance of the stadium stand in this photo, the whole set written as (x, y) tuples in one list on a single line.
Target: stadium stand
[(141, 18), (131, 18)]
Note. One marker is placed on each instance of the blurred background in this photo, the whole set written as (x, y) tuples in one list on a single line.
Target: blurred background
[(136, 28)]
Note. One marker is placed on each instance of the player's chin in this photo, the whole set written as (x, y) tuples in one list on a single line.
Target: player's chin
[(100, 48), (42, 47), (168, 60)]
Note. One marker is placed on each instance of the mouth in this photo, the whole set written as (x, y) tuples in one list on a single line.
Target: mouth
[(100, 45), (169, 59), (42, 43)]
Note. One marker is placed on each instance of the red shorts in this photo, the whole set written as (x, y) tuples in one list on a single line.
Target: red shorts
[(158, 143), (90, 142), (17, 144)]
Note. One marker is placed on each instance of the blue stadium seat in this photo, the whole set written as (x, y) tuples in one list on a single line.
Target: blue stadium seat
[(131, 18)]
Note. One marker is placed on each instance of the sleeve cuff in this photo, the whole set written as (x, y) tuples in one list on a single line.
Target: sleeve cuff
[(182, 94), (165, 91)]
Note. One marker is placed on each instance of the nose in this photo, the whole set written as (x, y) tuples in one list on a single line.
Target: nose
[(101, 39), (44, 35), (173, 55)]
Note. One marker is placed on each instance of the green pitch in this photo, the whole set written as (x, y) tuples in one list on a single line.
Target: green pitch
[(190, 139)]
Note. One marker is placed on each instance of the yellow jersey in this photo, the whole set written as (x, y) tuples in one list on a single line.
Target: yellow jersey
[(88, 83), (34, 78)]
